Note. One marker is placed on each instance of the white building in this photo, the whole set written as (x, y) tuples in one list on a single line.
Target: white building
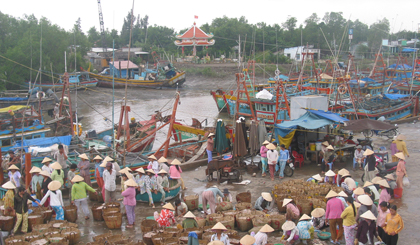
[(295, 53)]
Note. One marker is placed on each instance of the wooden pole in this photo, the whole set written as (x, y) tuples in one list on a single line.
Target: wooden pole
[(28, 167), (1, 170), (171, 126)]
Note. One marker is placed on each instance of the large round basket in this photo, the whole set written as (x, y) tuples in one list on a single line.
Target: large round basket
[(70, 213), (227, 221), (244, 197), (97, 213), (192, 202), (113, 221), (243, 205), (148, 225), (72, 235), (33, 220), (7, 223)]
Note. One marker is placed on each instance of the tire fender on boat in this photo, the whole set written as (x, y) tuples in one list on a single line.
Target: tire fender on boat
[(38, 94)]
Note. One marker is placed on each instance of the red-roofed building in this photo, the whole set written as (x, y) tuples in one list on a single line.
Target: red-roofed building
[(120, 68), (194, 37)]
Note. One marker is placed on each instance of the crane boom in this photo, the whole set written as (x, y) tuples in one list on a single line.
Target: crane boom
[(101, 24)]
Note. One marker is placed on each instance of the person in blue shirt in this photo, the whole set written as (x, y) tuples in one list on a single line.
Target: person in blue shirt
[(283, 158)]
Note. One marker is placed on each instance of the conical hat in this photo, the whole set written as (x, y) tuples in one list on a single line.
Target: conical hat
[(271, 146), (368, 215), (286, 201), (103, 164), (56, 165), (267, 196), (247, 240), (175, 162), (331, 194), (150, 171), (400, 155), (325, 143), (266, 228), (128, 169), (162, 160), (390, 176), (162, 171), (35, 170), (125, 170), (46, 159), (357, 205), (219, 226), (13, 167), (77, 178), (383, 183), (130, 182), (189, 215), (343, 171), (368, 152), (108, 159), (140, 170), (342, 194), (376, 179), (367, 183), (129, 175), (211, 134), (359, 191), (401, 137), (365, 200), (317, 177), (152, 157), (330, 173), (98, 158), (168, 206), (9, 185), (54, 185), (216, 243), (304, 217), (83, 156), (330, 147), (288, 225), (266, 142), (44, 173), (318, 212), (346, 175)]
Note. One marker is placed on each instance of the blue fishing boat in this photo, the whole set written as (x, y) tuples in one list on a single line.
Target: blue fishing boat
[(174, 189), (35, 96), (78, 80)]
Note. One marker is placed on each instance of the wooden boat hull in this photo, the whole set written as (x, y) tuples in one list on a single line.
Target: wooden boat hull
[(401, 111), (173, 192), (106, 82)]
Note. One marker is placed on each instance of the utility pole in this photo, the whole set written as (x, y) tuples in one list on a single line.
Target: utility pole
[(239, 51)]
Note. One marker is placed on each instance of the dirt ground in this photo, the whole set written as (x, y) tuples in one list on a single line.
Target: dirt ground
[(195, 181)]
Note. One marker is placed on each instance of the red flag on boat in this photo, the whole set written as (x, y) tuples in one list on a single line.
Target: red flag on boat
[(195, 16)]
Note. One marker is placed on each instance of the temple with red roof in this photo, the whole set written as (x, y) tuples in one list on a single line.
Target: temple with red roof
[(194, 37)]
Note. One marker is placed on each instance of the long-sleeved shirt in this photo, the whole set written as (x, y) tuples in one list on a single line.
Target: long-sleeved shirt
[(44, 186), (21, 203), (393, 147), (401, 168), (348, 216), (371, 162), (129, 196), (380, 220), (210, 144), (261, 238), (334, 208), (162, 182), (385, 196), (272, 156), (61, 159), (83, 166), (359, 154), (174, 173), (216, 192), (293, 233), (374, 192), (56, 199), (363, 229), (58, 177), (363, 209), (109, 180), (259, 204), (164, 167), (47, 169), (401, 147), (78, 190), (223, 238), (36, 179), (393, 224), (154, 165), (15, 178), (304, 226), (294, 209), (351, 184), (263, 151), (284, 155)]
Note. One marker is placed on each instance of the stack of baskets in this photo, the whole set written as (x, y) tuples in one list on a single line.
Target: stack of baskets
[(112, 215)]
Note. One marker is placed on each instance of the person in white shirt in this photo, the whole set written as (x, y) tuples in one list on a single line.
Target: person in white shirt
[(56, 199), (109, 182), (272, 157), (261, 237), (46, 167), (358, 157), (14, 175), (153, 164)]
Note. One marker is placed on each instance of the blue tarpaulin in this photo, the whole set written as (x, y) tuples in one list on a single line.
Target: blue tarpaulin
[(402, 67), (13, 99), (329, 115), (44, 142), (395, 96), (367, 79), (409, 50)]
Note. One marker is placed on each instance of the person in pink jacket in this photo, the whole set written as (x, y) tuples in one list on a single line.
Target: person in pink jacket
[(130, 201), (264, 160), (333, 214), (175, 172)]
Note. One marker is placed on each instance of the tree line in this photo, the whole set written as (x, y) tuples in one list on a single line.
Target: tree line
[(21, 38)]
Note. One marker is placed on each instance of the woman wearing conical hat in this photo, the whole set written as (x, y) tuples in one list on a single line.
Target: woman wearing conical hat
[(261, 237), (162, 184), (306, 228), (264, 160), (189, 221), (175, 172), (290, 232), (130, 201), (14, 175), (366, 229), (84, 166), (46, 165), (44, 188), (151, 184), (153, 163), (401, 146), (166, 217), (36, 182), (56, 199), (78, 194), (8, 200), (220, 236), (57, 173), (401, 170), (99, 171)]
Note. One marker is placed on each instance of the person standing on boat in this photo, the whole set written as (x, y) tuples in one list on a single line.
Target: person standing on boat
[(13, 159), (61, 158), (163, 164), (99, 171), (130, 201), (210, 147), (36, 182), (153, 163), (8, 199), (83, 167), (58, 173), (56, 201), (46, 167), (175, 172), (264, 160), (401, 146), (163, 185), (14, 175), (21, 208), (109, 182), (78, 194)]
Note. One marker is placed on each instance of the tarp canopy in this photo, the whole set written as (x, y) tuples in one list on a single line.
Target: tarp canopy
[(404, 66), (409, 50), (264, 94), (326, 76), (13, 108), (367, 124), (13, 99), (44, 142), (395, 96), (329, 115), (308, 121)]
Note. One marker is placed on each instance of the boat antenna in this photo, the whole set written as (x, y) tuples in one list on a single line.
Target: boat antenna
[(127, 74)]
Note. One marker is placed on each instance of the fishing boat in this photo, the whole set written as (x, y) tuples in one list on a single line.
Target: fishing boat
[(78, 80), (35, 96), (174, 189)]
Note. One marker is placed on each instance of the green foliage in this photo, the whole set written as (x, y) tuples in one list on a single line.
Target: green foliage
[(204, 71)]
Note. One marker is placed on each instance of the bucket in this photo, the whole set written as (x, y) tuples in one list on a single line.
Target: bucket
[(398, 192), (357, 183), (318, 146), (312, 146), (47, 214), (192, 202), (70, 213)]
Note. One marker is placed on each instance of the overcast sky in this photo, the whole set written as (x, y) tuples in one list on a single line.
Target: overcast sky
[(180, 14)]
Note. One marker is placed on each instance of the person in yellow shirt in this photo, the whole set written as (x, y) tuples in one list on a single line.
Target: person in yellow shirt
[(393, 225), (401, 146), (349, 221)]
